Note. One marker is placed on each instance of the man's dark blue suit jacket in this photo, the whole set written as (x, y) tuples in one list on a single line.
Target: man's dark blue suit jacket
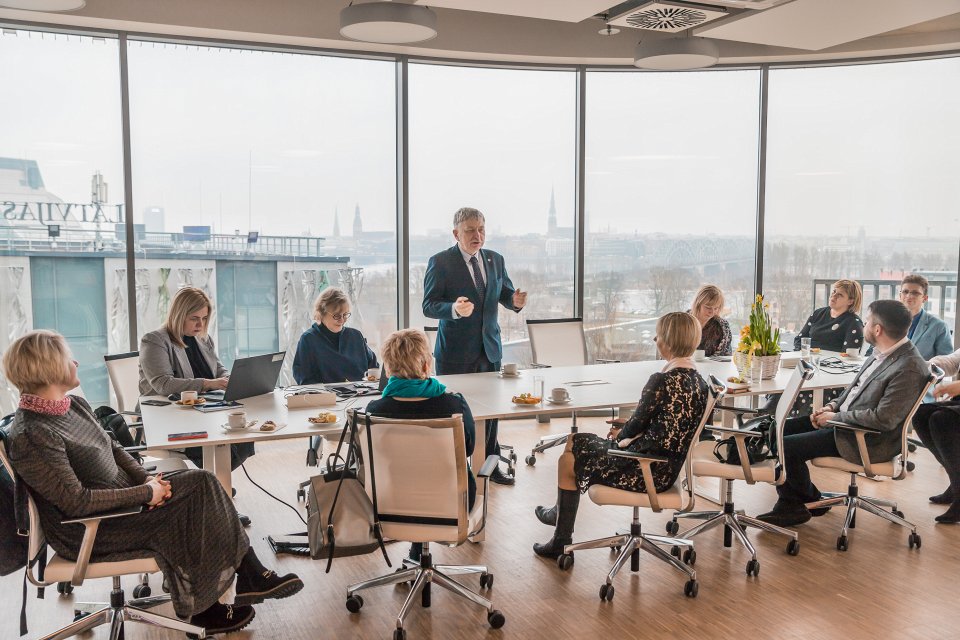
[(464, 340)]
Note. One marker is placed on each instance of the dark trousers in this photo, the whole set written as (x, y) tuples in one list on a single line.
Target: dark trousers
[(802, 442), (238, 454), (938, 425), (482, 365)]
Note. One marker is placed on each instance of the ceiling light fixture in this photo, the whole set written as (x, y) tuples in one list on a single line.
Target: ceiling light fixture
[(676, 54), (44, 5), (388, 22)]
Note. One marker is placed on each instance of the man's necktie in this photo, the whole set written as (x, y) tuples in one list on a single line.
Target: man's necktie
[(478, 278)]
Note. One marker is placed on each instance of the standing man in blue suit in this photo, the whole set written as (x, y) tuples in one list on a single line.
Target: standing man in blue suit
[(462, 288)]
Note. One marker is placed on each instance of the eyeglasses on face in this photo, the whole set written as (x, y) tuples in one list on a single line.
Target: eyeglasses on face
[(911, 293), (340, 316)]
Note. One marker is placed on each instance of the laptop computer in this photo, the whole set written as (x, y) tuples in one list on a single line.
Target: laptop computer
[(249, 377), (352, 389)]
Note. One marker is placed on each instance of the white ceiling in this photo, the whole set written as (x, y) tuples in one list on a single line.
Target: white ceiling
[(506, 31)]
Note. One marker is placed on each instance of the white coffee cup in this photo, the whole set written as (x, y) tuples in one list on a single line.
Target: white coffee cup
[(510, 368), (237, 419), (373, 374), (853, 352), (559, 394), (188, 395), (700, 355)]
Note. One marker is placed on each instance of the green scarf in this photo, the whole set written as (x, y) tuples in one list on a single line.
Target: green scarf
[(406, 388)]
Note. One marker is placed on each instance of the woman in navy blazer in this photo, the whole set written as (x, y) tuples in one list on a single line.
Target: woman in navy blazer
[(329, 351)]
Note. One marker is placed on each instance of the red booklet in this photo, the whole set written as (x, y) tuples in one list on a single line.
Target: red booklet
[(190, 435)]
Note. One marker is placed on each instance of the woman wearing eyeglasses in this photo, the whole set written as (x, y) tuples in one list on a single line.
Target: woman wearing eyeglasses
[(329, 351)]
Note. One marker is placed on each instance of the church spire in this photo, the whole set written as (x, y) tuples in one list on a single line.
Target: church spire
[(357, 223), (336, 222), (552, 215)]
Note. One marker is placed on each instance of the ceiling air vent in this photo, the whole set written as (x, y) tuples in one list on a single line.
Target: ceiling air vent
[(668, 17)]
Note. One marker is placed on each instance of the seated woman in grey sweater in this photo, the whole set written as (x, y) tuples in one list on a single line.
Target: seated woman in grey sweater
[(72, 468)]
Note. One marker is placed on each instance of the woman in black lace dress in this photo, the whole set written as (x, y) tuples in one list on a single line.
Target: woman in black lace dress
[(669, 412)]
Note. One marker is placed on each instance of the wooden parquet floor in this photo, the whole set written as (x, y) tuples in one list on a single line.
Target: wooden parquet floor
[(878, 589)]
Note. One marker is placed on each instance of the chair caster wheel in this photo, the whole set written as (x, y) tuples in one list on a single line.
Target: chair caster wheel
[(753, 568), (301, 495), (399, 634), (897, 512), (842, 543), (565, 561), (912, 448), (496, 619), (914, 540), (690, 557), (513, 457), (673, 527), (64, 588), (355, 603), (675, 552), (606, 592), (530, 460), (616, 549), (141, 591), (486, 581), (79, 615), (793, 547), (690, 588)]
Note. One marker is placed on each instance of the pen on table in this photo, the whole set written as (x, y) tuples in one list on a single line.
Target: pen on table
[(581, 381)]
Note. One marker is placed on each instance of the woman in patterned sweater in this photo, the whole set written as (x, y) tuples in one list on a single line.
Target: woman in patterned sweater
[(667, 416), (73, 469)]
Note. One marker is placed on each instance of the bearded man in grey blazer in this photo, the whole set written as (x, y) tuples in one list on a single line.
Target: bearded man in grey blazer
[(880, 397)]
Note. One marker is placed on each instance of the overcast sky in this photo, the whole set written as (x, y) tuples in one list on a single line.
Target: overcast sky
[(223, 136)]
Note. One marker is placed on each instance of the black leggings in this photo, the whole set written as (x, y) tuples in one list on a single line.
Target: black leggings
[(938, 425)]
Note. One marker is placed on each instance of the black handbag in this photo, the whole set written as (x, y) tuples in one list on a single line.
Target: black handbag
[(758, 449)]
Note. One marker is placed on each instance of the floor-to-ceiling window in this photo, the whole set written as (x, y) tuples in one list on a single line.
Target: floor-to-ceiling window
[(501, 141), (263, 178), (671, 184), (61, 195), (862, 170)]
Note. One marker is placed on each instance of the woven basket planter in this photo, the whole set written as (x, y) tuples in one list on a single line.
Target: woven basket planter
[(762, 367)]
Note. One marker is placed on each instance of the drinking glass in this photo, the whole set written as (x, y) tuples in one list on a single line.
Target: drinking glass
[(538, 387), (805, 349)]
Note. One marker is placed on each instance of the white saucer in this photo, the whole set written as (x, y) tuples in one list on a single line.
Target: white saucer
[(552, 401), (507, 375), (228, 429)]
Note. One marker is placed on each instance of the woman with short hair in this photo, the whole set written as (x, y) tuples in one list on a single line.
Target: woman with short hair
[(181, 356), (329, 351), (715, 336), (73, 469), (411, 392), (836, 327), (668, 414)]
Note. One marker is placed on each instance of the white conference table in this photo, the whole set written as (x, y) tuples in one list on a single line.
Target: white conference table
[(488, 394)]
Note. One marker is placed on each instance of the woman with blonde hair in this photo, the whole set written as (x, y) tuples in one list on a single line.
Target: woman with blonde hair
[(181, 356), (668, 414), (715, 336), (411, 392), (329, 351), (73, 469), (836, 327)]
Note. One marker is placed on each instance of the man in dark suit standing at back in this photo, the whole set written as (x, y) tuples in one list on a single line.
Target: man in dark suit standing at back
[(462, 287)]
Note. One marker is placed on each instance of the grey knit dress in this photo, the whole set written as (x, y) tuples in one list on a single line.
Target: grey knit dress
[(74, 469)]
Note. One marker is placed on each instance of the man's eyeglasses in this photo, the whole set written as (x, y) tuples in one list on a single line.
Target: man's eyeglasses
[(340, 316), (912, 294)]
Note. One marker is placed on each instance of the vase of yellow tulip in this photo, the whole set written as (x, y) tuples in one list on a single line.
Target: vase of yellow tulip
[(758, 353)]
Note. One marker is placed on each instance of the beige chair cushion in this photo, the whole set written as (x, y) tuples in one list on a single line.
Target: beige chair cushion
[(890, 468), (429, 533), (670, 499), (60, 570), (705, 464)]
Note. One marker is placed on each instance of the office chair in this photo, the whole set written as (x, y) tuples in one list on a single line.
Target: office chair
[(558, 342), (680, 496), (511, 457), (73, 573), (771, 471), (895, 468), (416, 476)]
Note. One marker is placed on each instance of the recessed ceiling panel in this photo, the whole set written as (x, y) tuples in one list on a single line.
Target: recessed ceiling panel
[(819, 24), (565, 10)]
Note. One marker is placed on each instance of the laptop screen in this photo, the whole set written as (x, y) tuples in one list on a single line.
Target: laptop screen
[(254, 376)]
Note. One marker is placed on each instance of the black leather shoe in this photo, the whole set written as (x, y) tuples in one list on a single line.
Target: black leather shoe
[(819, 511), (786, 515), (951, 515), (266, 585), (552, 548), (223, 618), (501, 478), (244, 520), (942, 498)]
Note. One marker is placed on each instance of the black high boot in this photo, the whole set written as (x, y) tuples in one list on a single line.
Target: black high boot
[(548, 515), (256, 583), (567, 504)]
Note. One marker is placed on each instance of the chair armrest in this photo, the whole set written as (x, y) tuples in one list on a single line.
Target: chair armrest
[(488, 466), (605, 361), (537, 365), (745, 433), (130, 413), (861, 433), (645, 461), (91, 524), (739, 437), (741, 411), (137, 448)]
